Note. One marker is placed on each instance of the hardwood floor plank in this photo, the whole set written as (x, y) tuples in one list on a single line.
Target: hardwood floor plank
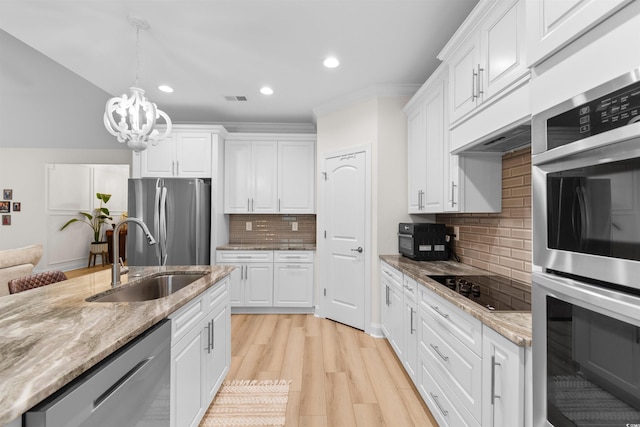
[(393, 364), (339, 406), (330, 350), (249, 367), (313, 421), (273, 355), (292, 418), (417, 408), (312, 400), (368, 415), (293, 358)]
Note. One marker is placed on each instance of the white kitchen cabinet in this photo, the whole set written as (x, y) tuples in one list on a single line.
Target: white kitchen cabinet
[(250, 176), (503, 382), (182, 154), (392, 307), (296, 177), (426, 142), (473, 183), (485, 56), (552, 24), (409, 327), (293, 279), (252, 280), (269, 173), (200, 354)]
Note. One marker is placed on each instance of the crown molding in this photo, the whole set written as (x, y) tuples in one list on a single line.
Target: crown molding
[(377, 91)]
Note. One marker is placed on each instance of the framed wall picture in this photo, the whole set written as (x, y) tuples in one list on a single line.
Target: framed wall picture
[(5, 207), (16, 206), (6, 219), (7, 194)]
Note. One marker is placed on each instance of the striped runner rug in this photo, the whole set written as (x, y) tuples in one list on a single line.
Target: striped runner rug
[(249, 403)]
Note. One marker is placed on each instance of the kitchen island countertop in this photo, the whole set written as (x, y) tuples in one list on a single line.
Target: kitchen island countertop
[(51, 335), (513, 325)]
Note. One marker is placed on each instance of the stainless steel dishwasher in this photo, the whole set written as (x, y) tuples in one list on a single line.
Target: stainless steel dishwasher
[(129, 388)]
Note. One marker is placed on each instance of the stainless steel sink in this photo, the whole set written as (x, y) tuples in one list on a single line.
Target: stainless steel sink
[(148, 289)]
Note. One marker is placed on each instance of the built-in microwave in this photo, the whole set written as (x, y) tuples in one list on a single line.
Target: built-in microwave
[(586, 184)]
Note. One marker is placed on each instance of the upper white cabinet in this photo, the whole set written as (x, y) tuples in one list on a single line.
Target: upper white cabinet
[(486, 55), (250, 172), (188, 152), (182, 154), (296, 177), (552, 24), (266, 173), (427, 130), (437, 180)]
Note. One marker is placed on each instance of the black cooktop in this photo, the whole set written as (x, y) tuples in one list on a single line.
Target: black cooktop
[(491, 291)]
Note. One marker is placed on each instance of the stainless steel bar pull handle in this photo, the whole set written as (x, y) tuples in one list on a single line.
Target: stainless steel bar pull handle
[(473, 86), (437, 350), (437, 402), (437, 310), (213, 336), (208, 347), (453, 200), (411, 328), (480, 91), (493, 379)]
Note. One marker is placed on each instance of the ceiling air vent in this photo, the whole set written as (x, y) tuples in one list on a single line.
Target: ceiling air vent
[(235, 98)]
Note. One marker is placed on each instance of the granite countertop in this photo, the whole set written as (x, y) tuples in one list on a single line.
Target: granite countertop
[(266, 246), (51, 335), (513, 325)]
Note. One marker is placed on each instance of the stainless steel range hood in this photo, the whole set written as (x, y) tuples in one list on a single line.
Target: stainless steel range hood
[(502, 141)]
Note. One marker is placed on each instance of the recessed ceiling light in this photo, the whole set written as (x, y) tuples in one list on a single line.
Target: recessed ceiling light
[(165, 88), (331, 62), (266, 90)]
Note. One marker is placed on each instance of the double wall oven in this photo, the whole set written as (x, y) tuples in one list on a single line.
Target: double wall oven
[(586, 284)]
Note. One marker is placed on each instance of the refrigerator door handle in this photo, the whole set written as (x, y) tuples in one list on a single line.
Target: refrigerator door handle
[(163, 226), (198, 189), (156, 218)]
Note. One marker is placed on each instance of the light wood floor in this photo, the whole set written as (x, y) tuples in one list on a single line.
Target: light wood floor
[(82, 271), (340, 376)]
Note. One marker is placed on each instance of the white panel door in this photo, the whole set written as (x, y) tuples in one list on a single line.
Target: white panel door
[(193, 155), (237, 177), (264, 193), (187, 379), (345, 228), (236, 284)]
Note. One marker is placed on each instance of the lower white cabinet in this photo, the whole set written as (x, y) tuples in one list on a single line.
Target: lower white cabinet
[(467, 374), (503, 379), (270, 278), (200, 354), (293, 279)]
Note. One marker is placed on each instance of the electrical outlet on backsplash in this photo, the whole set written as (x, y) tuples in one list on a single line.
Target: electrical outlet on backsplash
[(270, 228)]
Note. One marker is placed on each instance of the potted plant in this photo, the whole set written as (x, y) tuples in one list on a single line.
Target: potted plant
[(96, 219)]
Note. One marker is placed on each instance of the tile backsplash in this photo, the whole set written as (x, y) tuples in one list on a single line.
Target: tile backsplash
[(270, 228), (500, 242)]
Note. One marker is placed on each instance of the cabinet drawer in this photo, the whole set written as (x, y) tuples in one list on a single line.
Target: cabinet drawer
[(445, 412), (214, 295), (410, 288), (185, 318), (293, 256), (244, 256), (465, 328), (458, 369), (392, 274)]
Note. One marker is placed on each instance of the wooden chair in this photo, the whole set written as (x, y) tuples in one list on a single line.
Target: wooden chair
[(35, 281)]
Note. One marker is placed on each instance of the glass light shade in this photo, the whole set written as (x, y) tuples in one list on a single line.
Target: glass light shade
[(132, 119)]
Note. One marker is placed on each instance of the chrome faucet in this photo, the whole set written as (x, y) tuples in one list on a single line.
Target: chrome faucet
[(115, 269)]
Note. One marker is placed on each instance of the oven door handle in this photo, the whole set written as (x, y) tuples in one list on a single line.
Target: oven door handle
[(582, 229)]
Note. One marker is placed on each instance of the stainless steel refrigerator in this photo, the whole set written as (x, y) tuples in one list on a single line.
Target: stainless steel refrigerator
[(178, 213)]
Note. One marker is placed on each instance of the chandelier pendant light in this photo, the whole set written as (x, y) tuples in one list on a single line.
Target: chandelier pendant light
[(132, 118)]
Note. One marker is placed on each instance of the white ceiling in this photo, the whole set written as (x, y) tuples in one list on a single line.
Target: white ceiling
[(209, 49)]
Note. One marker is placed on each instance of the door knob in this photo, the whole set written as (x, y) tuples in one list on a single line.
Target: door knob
[(359, 249)]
